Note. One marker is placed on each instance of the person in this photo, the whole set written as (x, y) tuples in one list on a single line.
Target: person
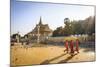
[(77, 46), (71, 47), (66, 45)]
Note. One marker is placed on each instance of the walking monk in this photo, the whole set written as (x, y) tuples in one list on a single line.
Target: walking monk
[(77, 46), (66, 45), (71, 47)]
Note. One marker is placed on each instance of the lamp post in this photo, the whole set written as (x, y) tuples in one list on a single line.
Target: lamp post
[(17, 37), (38, 34)]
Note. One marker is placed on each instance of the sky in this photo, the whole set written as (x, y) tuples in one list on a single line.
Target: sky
[(26, 14), (89, 2)]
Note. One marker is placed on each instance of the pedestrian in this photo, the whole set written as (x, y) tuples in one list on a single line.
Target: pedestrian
[(66, 45), (71, 47), (77, 46)]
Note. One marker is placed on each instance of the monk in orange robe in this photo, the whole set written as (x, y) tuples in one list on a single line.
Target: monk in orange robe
[(66, 45), (71, 47), (77, 46)]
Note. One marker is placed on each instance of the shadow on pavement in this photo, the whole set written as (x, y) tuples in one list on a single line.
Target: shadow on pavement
[(55, 58), (48, 61), (67, 59)]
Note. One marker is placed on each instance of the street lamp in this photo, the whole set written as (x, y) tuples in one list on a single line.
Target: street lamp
[(17, 37)]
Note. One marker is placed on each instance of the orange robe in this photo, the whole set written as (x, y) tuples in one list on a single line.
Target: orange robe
[(66, 45), (77, 46), (71, 47)]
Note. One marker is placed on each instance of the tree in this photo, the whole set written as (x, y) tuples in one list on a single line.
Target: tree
[(86, 26), (89, 25), (58, 32), (77, 27), (68, 27)]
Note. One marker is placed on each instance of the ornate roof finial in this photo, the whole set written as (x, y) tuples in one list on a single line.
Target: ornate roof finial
[(40, 22)]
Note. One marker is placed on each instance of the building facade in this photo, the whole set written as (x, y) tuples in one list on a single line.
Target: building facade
[(40, 33)]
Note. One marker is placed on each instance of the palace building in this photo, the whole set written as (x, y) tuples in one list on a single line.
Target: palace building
[(40, 33)]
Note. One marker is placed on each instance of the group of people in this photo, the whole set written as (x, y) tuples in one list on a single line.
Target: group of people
[(71, 46)]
